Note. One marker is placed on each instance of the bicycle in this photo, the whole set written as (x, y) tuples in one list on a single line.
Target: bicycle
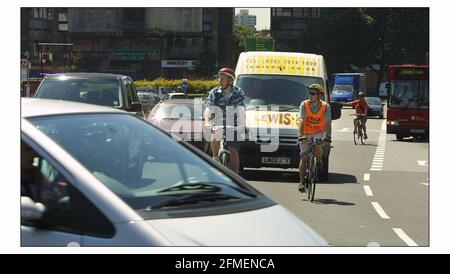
[(224, 152), (358, 135), (311, 176)]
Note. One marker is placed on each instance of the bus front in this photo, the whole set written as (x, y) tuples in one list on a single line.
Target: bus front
[(408, 101)]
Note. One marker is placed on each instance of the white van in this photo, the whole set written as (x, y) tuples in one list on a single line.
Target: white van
[(275, 84)]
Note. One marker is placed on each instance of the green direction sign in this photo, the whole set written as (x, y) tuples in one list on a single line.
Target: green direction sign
[(135, 55), (258, 44)]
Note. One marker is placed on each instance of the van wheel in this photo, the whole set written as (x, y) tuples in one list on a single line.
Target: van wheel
[(399, 137)]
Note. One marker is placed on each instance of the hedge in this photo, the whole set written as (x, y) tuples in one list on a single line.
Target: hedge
[(197, 86)]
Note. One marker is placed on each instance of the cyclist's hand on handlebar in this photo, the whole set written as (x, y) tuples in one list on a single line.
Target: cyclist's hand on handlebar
[(327, 139)]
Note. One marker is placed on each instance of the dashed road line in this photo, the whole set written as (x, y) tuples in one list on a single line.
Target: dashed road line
[(380, 211), (366, 176), (368, 190), (422, 163), (404, 237), (425, 184)]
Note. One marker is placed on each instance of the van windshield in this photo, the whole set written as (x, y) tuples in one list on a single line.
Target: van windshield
[(283, 91), (342, 89)]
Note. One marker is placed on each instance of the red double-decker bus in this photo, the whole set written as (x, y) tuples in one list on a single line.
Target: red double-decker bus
[(408, 101)]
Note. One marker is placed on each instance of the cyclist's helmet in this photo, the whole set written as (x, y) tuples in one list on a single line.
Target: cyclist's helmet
[(227, 71), (318, 87), (361, 94)]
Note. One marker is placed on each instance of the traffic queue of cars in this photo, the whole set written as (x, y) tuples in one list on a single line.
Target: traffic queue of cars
[(103, 176)]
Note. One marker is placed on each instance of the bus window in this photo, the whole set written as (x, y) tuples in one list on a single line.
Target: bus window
[(424, 94), (405, 94)]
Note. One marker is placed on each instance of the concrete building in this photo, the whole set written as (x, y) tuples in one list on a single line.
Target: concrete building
[(243, 18), (141, 42), (288, 25)]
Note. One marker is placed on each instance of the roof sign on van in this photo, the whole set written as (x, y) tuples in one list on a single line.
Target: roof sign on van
[(270, 64)]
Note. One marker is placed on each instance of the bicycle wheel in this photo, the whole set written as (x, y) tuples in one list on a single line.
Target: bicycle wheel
[(313, 180), (361, 136), (308, 177), (355, 138), (225, 159)]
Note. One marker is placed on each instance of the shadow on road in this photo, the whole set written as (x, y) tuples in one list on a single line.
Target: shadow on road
[(271, 175), (331, 202), (262, 175)]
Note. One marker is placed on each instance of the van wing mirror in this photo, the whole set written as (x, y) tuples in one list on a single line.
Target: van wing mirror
[(335, 110), (29, 210)]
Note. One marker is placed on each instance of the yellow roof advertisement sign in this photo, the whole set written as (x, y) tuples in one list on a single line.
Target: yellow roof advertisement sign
[(293, 64)]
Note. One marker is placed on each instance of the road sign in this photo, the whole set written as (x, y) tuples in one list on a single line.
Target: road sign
[(258, 44)]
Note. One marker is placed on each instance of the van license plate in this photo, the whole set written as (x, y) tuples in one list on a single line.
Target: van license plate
[(276, 160), (417, 130)]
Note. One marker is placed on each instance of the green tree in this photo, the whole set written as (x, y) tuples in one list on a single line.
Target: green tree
[(241, 33), (370, 37)]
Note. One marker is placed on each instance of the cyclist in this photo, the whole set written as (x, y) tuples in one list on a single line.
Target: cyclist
[(315, 123), (361, 108), (220, 99)]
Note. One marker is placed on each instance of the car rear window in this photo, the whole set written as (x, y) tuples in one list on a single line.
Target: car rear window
[(103, 92)]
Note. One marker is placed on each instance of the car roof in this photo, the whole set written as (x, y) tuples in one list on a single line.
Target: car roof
[(31, 107), (187, 101), (86, 75)]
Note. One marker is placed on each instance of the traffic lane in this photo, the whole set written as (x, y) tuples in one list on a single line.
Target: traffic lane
[(408, 155), (340, 213), (404, 196)]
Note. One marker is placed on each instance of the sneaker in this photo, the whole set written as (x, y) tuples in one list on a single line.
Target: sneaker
[(301, 188), (365, 136)]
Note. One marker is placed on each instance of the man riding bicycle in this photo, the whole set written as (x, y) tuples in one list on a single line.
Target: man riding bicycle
[(315, 123), (361, 108), (220, 99)]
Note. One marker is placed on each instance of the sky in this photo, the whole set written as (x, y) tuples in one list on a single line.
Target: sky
[(262, 16)]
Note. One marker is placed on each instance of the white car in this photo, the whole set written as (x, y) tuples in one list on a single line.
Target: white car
[(103, 177)]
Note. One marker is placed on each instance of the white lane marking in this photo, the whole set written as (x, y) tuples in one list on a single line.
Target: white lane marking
[(425, 184), (346, 129), (366, 176), (376, 169), (422, 163), (368, 191), (376, 166), (373, 244), (380, 211), (404, 237), (378, 160)]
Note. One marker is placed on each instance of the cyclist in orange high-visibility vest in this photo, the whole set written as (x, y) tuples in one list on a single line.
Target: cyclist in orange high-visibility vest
[(361, 108), (315, 123)]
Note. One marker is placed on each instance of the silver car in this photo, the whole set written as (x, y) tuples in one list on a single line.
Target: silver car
[(97, 176)]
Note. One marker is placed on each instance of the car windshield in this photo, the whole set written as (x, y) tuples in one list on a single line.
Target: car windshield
[(342, 89), (105, 92), (409, 94), (276, 90), (139, 163), (373, 100), (178, 111), (144, 97)]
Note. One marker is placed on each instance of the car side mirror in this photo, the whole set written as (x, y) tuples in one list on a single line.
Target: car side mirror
[(29, 210), (335, 110), (136, 107)]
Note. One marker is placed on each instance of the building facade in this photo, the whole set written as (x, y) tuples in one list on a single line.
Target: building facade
[(243, 18), (288, 26), (140, 42)]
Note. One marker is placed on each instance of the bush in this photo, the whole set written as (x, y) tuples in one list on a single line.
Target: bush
[(197, 86)]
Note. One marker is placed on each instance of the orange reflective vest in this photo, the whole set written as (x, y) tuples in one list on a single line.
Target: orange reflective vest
[(314, 122)]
